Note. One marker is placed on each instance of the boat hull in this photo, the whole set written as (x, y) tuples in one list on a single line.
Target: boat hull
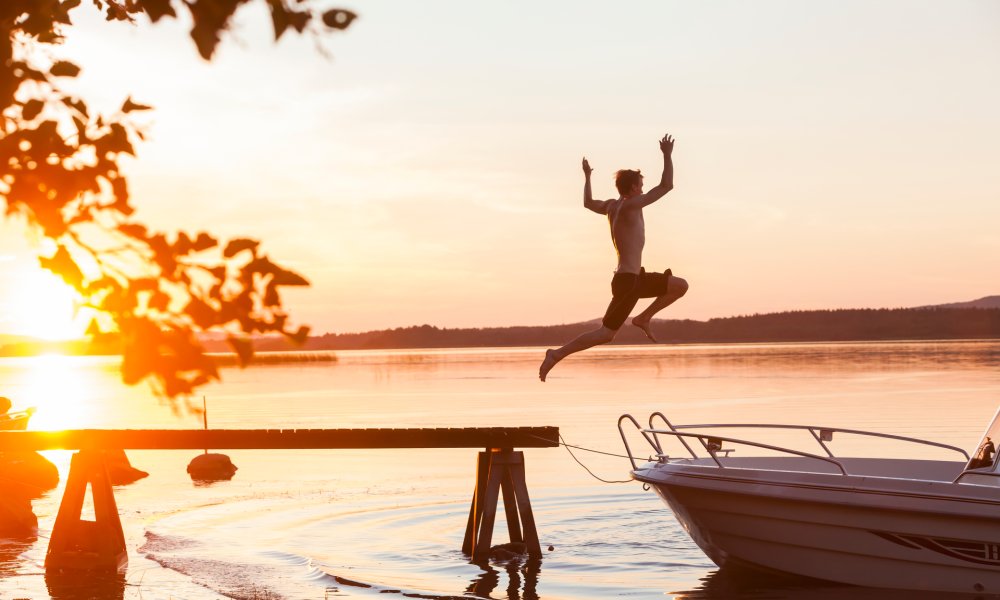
[(845, 533)]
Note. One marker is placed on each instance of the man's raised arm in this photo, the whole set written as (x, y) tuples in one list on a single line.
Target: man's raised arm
[(598, 206), (666, 180)]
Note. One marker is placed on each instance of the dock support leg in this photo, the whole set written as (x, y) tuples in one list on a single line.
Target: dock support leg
[(77, 544), (500, 469)]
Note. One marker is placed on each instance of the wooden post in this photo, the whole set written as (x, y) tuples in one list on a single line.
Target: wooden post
[(500, 469), (475, 509), (76, 544)]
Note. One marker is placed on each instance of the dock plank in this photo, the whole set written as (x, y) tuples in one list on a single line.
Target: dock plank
[(268, 439)]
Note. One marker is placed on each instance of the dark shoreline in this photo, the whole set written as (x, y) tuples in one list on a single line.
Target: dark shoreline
[(843, 325)]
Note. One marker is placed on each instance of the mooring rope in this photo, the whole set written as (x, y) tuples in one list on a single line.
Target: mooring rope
[(562, 442)]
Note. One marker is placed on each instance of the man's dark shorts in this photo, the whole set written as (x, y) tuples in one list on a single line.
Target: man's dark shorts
[(627, 288)]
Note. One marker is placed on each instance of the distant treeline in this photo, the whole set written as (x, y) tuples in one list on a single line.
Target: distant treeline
[(796, 326)]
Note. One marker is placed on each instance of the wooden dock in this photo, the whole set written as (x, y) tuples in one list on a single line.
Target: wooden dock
[(287, 439), (78, 544)]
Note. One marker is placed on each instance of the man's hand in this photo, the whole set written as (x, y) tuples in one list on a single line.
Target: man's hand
[(666, 145), (586, 168)]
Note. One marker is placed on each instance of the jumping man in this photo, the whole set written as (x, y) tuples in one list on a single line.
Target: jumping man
[(631, 281)]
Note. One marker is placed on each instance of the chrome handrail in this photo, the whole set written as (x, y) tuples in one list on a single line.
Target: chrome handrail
[(650, 440), (813, 429), (702, 437), (671, 426)]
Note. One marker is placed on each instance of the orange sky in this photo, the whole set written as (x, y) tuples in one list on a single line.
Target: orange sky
[(828, 154)]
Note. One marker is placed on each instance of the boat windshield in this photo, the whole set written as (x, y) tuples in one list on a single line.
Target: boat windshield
[(985, 456)]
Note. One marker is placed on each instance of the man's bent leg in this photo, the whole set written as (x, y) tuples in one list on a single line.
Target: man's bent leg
[(676, 288), (601, 335)]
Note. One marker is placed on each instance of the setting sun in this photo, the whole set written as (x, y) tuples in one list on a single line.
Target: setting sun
[(38, 304)]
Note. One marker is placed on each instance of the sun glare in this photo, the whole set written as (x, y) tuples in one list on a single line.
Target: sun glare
[(61, 391), (40, 305)]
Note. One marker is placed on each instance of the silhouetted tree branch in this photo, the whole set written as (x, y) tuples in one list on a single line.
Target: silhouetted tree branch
[(60, 172)]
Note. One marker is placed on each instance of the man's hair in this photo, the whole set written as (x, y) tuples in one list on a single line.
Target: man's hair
[(625, 179)]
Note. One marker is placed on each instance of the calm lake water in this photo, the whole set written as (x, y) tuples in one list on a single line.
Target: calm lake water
[(387, 523)]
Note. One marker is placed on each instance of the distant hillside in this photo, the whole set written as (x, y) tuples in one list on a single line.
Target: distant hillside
[(797, 326), (987, 302), (979, 319)]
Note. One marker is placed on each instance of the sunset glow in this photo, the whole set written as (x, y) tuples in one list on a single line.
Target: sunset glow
[(61, 391), (828, 156), (36, 303)]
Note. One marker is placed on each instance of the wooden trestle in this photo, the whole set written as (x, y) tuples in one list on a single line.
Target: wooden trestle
[(78, 544)]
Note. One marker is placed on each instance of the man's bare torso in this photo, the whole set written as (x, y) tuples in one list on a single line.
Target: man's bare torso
[(628, 233)]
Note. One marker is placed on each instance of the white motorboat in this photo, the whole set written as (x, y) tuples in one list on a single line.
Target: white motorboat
[(911, 524)]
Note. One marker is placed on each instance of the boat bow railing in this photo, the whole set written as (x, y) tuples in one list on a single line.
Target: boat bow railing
[(825, 434), (712, 442)]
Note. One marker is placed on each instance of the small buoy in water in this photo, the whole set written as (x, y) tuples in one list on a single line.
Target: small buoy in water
[(211, 467), (551, 548)]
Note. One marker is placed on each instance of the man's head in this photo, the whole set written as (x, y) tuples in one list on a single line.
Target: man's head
[(628, 182)]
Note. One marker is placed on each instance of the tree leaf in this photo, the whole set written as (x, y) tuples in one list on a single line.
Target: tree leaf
[(279, 18), (62, 264), (94, 328), (236, 246), (81, 130), (157, 9), (339, 18), (117, 140), (300, 336), (184, 244), (204, 242), (159, 301), (64, 68), (129, 106), (32, 108), (284, 277), (299, 20), (133, 230), (271, 296), (78, 105), (201, 313)]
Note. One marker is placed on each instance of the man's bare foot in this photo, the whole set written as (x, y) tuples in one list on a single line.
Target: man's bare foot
[(547, 364), (644, 326)]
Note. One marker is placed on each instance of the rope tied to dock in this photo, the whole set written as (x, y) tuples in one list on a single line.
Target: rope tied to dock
[(563, 443)]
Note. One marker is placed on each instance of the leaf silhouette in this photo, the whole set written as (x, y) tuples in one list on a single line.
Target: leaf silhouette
[(129, 106), (236, 246), (339, 18), (153, 291), (64, 68), (285, 277), (32, 109), (62, 264), (157, 9)]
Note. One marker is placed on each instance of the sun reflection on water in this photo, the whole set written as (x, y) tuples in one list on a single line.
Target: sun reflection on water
[(63, 392)]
